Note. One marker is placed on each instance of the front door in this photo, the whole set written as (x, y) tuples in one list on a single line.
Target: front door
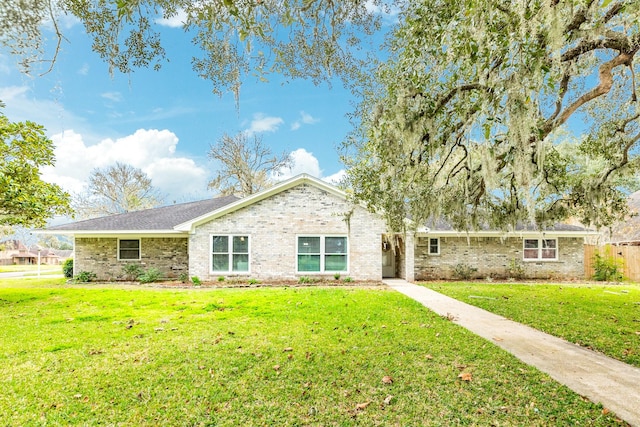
[(388, 259)]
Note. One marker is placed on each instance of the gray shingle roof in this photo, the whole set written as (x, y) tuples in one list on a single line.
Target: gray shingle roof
[(442, 225), (163, 218)]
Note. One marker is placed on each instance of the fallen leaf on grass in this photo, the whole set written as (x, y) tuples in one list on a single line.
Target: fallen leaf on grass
[(287, 349), (388, 399), (362, 406), (605, 411), (465, 376), (428, 357), (387, 380), (276, 368)]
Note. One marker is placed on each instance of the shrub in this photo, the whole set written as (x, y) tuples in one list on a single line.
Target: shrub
[(150, 276), (515, 269), (348, 279), (254, 281), (184, 277), (67, 268), (336, 276), (305, 279), (132, 271), (463, 271), (85, 276), (220, 278), (607, 267), (196, 280)]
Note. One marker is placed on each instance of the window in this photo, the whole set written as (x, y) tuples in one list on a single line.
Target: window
[(230, 254), (318, 254), (540, 249), (129, 249), (434, 246)]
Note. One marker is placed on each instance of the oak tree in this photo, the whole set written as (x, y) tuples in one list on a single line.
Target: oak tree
[(463, 120)]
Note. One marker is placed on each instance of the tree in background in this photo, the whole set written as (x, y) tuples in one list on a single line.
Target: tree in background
[(246, 164), (117, 189), (25, 199), (463, 119)]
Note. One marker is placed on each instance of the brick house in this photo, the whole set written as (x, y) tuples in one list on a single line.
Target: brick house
[(304, 227)]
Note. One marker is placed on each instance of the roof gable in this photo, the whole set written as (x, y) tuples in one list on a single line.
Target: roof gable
[(264, 194)]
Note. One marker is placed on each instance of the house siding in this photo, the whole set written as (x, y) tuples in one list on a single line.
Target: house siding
[(492, 257), (273, 225), (100, 256)]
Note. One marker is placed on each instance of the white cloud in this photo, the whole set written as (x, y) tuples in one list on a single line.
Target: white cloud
[(151, 150), (84, 70), (389, 12), (336, 178), (112, 96), (176, 21), (302, 162), (306, 119), (262, 123)]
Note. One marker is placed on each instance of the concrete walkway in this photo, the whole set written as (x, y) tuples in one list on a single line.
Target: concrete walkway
[(601, 379)]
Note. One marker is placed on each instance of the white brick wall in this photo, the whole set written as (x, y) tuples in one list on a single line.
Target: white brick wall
[(273, 225)]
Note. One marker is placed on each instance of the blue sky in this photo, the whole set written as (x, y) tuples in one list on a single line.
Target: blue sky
[(164, 122)]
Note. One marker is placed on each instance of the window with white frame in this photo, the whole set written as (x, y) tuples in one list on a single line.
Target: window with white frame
[(540, 249), (319, 254), (434, 246), (230, 254), (129, 249)]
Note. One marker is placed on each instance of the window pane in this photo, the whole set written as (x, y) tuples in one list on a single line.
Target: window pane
[(531, 253), (433, 246), (335, 245), (548, 253), (309, 245), (220, 262), (335, 263), (129, 244), (220, 244), (241, 244), (241, 262), (549, 243), (129, 254), (308, 262), (531, 243)]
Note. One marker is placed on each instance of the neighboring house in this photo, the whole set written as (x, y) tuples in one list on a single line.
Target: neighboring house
[(16, 253), (627, 232), (304, 227)]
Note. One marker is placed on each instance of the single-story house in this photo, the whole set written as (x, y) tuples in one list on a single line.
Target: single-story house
[(16, 253), (306, 227)]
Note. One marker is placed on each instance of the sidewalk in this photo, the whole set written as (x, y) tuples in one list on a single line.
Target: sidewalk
[(610, 382)]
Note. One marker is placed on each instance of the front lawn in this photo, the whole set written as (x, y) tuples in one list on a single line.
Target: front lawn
[(287, 356), (605, 318), (31, 268)]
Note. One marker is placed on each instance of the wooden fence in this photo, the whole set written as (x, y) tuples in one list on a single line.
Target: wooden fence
[(628, 256)]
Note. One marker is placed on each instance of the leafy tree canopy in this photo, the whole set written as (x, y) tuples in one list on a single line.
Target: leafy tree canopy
[(302, 38), (463, 120), (25, 199)]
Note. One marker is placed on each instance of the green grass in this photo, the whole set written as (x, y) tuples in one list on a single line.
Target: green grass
[(72, 355), (605, 318)]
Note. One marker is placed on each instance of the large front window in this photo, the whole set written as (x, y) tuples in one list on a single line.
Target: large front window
[(230, 254), (540, 249), (319, 254)]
